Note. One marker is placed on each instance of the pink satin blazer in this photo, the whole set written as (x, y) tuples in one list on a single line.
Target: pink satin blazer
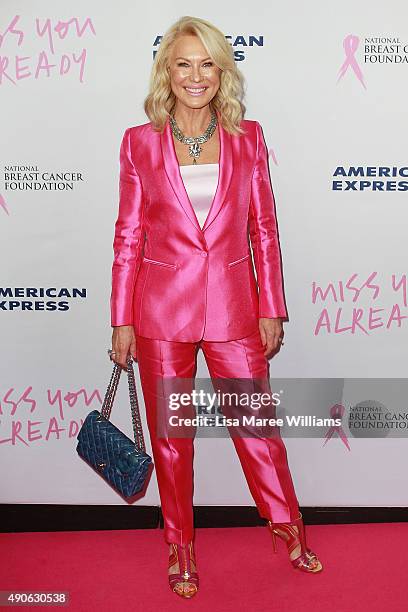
[(173, 280)]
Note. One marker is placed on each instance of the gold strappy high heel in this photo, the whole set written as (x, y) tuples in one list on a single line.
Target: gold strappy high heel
[(294, 535), (183, 580)]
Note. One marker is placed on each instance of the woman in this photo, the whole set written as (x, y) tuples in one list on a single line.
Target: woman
[(183, 279)]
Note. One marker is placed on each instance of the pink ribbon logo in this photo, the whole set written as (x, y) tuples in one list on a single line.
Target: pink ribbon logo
[(3, 204), (337, 412), (350, 45), (271, 153)]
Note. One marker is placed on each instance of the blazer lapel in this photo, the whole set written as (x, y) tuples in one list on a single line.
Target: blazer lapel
[(172, 169)]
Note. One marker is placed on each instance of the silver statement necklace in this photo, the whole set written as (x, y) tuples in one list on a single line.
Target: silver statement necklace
[(194, 142)]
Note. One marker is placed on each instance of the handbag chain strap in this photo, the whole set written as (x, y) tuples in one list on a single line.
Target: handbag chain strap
[(134, 404)]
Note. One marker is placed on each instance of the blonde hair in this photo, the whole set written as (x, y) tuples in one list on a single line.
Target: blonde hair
[(161, 100)]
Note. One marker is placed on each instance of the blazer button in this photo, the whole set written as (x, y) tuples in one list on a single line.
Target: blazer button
[(203, 254)]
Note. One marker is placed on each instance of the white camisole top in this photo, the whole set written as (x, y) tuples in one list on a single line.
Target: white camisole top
[(200, 181)]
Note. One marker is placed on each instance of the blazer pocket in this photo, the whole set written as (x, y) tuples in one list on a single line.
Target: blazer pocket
[(160, 263), (237, 261)]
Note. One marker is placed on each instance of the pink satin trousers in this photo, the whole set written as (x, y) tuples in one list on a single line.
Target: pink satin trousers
[(263, 459)]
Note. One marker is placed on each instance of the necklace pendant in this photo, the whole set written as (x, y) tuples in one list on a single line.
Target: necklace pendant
[(195, 149)]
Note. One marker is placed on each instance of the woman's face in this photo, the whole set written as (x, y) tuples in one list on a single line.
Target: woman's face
[(194, 77)]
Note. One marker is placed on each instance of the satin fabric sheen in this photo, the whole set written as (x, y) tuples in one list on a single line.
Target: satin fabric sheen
[(264, 460), (200, 182), (172, 279)]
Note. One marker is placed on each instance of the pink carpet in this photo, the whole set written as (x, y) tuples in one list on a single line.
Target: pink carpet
[(364, 569)]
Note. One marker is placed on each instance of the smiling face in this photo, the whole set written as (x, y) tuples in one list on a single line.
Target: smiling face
[(194, 76)]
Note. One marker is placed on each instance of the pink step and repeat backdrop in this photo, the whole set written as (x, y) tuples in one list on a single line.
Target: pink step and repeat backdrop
[(330, 90)]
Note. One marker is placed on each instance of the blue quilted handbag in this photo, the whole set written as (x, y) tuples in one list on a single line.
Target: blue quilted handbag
[(124, 464)]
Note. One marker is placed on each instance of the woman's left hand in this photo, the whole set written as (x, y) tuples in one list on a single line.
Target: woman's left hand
[(271, 331)]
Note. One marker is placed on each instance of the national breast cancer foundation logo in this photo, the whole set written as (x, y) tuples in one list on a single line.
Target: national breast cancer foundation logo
[(379, 50)]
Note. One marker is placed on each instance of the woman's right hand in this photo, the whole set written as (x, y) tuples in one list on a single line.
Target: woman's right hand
[(123, 343)]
